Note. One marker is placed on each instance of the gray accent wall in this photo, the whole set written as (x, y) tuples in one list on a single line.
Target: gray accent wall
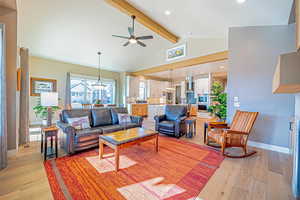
[(297, 106), (292, 18), (253, 57)]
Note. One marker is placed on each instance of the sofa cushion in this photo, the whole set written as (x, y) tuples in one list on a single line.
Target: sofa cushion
[(130, 125), (79, 122), (101, 117), (167, 126), (111, 128), (124, 118), (114, 113), (75, 113), (174, 112)]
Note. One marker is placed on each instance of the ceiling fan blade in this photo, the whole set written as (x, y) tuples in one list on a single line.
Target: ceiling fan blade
[(130, 31), (140, 43), (126, 44), (120, 36), (145, 37)]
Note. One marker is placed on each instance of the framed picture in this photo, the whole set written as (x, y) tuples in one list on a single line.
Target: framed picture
[(39, 85), (176, 52)]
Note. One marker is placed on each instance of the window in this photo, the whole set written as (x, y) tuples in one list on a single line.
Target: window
[(142, 90), (82, 90)]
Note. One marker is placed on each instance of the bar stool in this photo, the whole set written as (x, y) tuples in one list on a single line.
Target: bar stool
[(49, 132)]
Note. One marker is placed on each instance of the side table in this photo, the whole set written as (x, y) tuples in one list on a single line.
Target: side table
[(191, 126), (49, 132)]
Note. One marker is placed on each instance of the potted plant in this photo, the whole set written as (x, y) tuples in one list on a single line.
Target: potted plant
[(219, 101), (98, 101), (41, 111)]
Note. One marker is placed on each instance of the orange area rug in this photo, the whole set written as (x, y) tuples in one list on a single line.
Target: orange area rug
[(179, 170)]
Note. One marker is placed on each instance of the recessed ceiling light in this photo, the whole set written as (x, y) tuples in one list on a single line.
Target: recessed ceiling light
[(240, 1), (167, 12), (222, 67)]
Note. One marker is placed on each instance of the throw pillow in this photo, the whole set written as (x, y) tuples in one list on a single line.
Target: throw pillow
[(124, 118), (79, 122)]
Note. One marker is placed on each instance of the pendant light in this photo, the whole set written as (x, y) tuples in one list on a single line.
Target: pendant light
[(99, 85), (170, 78)]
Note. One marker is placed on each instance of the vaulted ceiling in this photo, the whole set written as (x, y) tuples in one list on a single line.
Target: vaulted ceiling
[(74, 30)]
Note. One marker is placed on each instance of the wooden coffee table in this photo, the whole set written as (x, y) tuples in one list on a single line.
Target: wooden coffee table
[(124, 139)]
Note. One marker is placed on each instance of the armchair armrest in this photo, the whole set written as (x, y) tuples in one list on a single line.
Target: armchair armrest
[(67, 139), (221, 125), (235, 132), (181, 119), (159, 118), (137, 119)]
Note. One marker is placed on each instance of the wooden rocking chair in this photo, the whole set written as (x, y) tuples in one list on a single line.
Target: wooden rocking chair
[(234, 136)]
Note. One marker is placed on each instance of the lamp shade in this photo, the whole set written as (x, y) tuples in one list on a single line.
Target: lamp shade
[(49, 99)]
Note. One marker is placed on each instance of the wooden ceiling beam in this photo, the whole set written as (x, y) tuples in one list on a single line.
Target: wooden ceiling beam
[(185, 63), (130, 10), (11, 4), (147, 77)]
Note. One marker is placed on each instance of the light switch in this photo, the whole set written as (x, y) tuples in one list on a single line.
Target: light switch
[(236, 104)]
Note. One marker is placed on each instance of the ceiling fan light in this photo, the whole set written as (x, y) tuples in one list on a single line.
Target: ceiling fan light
[(132, 41)]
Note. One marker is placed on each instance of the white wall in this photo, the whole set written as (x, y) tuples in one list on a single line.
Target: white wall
[(156, 55), (45, 68), (253, 57)]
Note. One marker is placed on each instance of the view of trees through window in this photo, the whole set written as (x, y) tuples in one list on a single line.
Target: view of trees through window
[(82, 91)]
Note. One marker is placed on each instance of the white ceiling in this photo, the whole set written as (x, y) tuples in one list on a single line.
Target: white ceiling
[(197, 70), (212, 18), (74, 30)]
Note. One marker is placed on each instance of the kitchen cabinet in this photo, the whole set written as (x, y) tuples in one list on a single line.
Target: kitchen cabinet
[(182, 87), (134, 83), (201, 86), (157, 88), (139, 110)]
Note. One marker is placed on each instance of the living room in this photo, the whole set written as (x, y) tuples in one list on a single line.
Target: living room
[(115, 99)]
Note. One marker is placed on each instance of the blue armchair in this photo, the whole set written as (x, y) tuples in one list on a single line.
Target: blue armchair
[(173, 121)]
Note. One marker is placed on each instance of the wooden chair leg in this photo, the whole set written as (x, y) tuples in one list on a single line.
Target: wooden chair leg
[(245, 150), (223, 148)]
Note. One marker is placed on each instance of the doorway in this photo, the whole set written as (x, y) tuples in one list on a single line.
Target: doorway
[(178, 95)]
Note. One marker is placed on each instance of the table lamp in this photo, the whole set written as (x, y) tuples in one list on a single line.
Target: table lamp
[(49, 99)]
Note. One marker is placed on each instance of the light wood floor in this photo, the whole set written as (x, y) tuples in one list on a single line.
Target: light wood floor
[(264, 176)]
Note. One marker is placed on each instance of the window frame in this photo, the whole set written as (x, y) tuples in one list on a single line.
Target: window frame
[(94, 78)]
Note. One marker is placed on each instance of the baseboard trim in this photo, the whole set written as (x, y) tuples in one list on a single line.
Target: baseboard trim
[(11, 152), (269, 147)]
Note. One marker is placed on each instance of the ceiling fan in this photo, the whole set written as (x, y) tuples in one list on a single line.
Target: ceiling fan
[(132, 39)]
